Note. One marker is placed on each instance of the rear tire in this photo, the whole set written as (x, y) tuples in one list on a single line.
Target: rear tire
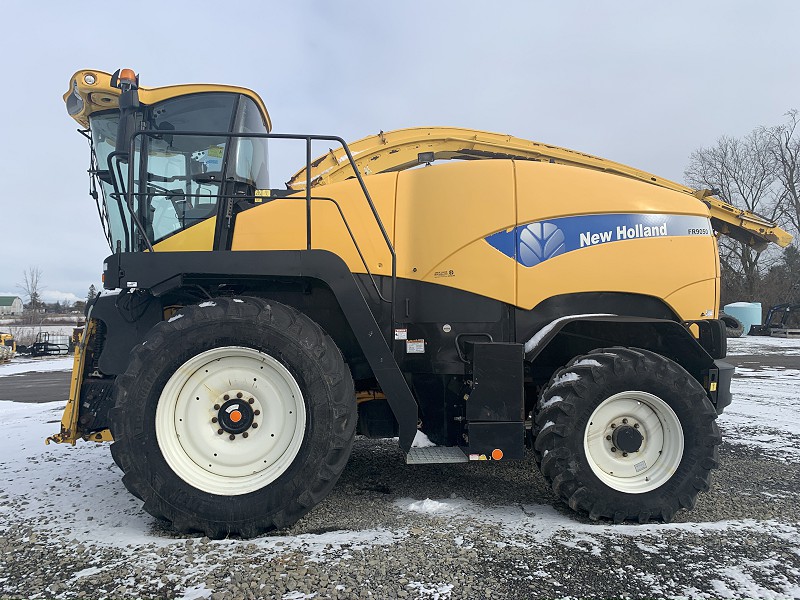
[(649, 406), (265, 375)]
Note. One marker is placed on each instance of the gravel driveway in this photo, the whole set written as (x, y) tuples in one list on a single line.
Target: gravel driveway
[(69, 529)]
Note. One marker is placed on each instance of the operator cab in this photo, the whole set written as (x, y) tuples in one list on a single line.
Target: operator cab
[(166, 159)]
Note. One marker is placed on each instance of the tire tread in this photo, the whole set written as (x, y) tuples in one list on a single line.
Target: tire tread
[(283, 323), (555, 447)]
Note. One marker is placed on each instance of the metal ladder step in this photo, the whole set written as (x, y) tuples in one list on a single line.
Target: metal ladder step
[(436, 455)]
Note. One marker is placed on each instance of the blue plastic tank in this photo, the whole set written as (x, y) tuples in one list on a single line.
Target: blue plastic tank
[(749, 313)]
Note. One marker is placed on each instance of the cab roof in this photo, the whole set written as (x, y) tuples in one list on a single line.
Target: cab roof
[(94, 89)]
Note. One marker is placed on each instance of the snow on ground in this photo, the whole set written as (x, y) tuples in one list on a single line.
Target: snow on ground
[(77, 494), (541, 524), (77, 491), (422, 441), (25, 364), (765, 412), (760, 345)]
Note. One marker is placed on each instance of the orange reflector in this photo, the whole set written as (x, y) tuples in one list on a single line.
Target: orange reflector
[(236, 416), (127, 75), (497, 454)]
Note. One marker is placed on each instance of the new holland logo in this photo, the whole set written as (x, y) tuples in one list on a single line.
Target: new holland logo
[(538, 242), (533, 243)]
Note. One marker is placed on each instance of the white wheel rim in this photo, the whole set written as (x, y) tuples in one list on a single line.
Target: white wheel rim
[(659, 454), (189, 439)]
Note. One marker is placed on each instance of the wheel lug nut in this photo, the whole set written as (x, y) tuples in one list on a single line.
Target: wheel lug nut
[(625, 421), (636, 426), (219, 431), (608, 437), (624, 454), (232, 437), (226, 397), (256, 412), (213, 419), (251, 400), (613, 449), (216, 407), (245, 434), (254, 425), (239, 394), (613, 425)]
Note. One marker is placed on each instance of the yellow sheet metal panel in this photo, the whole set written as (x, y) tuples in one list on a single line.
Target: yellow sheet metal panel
[(654, 267), (547, 190), (616, 237), (194, 239), (94, 88), (281, 224), (444, 213), (717, 282), (277, 225), (688, 301)]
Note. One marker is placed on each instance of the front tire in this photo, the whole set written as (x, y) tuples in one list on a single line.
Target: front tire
[(235, 416), (626, 434)]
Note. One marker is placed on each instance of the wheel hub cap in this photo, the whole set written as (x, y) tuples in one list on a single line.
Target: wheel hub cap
[(633, 442), (230, 420), (627, 439), (235, 416)]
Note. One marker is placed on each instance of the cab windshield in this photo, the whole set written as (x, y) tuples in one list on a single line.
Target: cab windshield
[(178, 179)]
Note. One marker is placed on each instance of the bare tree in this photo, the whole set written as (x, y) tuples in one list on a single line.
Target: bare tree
[(785, 148), (744, 171), (31, 287), (782, 283)]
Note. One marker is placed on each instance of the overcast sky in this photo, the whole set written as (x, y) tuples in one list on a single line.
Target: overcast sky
[(639, 82)]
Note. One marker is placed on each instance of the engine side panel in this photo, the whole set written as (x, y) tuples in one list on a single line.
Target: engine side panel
[(587, 231), (443, 215), (462, 225)]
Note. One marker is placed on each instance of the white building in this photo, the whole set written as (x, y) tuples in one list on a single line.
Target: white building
[(10, 305)]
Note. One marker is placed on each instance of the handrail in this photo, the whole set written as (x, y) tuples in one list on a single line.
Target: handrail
[(118, 194), (341, 214), (308, 197), (352, 237)]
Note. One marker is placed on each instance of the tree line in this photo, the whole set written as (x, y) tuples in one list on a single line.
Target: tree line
[(759, 172), (32, 289)]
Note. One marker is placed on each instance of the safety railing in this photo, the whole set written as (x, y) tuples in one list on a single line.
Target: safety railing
[(115, 160)]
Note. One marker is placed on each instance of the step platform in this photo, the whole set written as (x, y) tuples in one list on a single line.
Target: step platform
[(436, 455)]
